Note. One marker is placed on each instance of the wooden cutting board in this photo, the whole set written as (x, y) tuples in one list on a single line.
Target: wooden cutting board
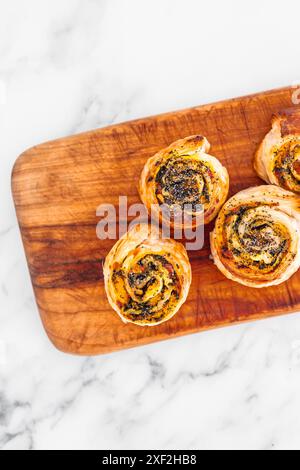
[(57, 187)]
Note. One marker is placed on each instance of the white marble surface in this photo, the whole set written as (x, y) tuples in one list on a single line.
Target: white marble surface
[(71, 65)]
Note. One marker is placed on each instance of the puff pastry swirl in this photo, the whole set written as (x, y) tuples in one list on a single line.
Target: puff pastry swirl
[(277, 160), (181, 174), (147, 278), (256, 240)]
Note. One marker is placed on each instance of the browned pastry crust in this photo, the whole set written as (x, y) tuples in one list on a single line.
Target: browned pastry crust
[(147, 278), (277, 160), (181, 174), (256, 240)]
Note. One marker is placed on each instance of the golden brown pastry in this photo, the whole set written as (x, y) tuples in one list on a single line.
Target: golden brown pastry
[(256, 240), (184, 173), (147, 278), (277, 160)]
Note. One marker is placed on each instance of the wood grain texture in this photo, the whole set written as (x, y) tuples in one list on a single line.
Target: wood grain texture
[(57, 187)]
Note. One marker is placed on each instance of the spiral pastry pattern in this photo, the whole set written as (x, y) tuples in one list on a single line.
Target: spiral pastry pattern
[(182, 174), (256, 240), (147, 278), (277, 160)]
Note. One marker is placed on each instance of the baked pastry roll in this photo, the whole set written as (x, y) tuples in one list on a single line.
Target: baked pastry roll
[(277, 160), (181, 174), (256, 240), (147, 278)]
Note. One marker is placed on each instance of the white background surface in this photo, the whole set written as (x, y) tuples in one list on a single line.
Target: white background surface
[(68, 66)]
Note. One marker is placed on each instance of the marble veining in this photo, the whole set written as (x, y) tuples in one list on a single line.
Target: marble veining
[(71, 65)]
